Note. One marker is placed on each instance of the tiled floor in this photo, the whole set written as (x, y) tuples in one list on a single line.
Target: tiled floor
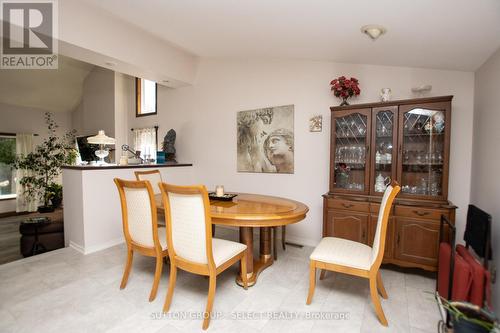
[(64, 291)]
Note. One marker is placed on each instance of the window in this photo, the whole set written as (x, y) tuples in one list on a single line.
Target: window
[(146, 92), (145, 142), (7, 174)]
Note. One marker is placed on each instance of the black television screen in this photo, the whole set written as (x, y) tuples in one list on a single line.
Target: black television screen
[(87, 150)]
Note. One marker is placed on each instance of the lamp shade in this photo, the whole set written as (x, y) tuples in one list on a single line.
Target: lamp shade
[(101, 139)]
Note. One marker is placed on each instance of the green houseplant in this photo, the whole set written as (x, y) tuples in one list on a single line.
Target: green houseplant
[(469, 318), (56, 194), (44, 165)]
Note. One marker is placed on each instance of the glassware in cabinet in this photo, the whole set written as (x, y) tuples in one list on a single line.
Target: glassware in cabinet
[(351, 150), (424, 145), (384, 152)]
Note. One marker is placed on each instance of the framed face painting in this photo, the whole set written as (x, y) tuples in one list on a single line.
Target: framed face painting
[(265, 140)]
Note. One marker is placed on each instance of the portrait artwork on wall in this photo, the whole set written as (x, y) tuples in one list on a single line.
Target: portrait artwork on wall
[(265, 140)]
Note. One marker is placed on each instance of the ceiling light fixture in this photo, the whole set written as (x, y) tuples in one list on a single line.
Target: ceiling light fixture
[(373, 31)]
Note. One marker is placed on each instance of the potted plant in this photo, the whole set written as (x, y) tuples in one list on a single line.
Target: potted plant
[(56, 194), (44, 165), (467, 317), (345, 88)]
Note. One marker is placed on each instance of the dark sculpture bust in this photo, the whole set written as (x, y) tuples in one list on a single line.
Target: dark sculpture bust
[(169, 146)]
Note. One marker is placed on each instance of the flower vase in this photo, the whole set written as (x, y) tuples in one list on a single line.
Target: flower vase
[(344, 101)]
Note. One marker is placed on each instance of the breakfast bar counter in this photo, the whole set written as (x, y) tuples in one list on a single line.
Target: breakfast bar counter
[(92, 213)]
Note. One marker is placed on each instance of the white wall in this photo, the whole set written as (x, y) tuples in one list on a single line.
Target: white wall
[(19, 119), (485, 189), (124, 106), (133, 50), (107, 103), (96, 110), (204, 116)]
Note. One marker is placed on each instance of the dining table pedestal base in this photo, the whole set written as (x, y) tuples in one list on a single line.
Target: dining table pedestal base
[(254, 266)]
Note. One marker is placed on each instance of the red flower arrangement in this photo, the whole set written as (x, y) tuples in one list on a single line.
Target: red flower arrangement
[(344, 88)]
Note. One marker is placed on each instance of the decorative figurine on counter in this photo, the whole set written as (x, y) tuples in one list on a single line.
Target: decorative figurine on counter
[(169, 146)]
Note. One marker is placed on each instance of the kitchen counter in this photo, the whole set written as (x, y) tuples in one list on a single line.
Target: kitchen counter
[(92, 212), (130, 166)]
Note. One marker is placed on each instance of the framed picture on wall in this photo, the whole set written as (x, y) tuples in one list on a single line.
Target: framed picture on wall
[(265, 140)]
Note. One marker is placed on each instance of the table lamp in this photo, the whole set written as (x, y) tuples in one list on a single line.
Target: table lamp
[(101, 139)]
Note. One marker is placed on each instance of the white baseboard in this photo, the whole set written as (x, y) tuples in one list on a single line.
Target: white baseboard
[(95, 248), (99, 247), (77, 247), (302, 241)]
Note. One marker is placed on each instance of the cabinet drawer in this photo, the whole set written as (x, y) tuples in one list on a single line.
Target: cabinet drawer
[(348, 205), (420, 213)]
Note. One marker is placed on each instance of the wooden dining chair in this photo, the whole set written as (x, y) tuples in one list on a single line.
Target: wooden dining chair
[(190, 243), (140, 227), (353, 258), (153, 176)]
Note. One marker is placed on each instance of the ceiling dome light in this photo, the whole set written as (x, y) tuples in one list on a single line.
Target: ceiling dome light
[(373, 31)]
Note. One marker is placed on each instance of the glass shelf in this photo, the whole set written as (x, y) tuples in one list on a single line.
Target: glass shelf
[(351, 137), (423, 164), (385, 154), (423, 152), (350, 151)]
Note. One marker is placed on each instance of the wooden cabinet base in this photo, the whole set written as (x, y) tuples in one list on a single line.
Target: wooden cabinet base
[(412, 234), (408, 264)]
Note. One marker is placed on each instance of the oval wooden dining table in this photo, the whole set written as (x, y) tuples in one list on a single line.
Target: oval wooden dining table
[(248, 211)]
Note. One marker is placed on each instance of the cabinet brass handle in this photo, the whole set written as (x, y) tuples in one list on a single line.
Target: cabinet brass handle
[(363, 234), (421, 213), (347, 205)]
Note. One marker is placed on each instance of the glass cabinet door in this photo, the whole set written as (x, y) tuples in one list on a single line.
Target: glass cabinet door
[(350, 141), (423, 147), (383, 157)]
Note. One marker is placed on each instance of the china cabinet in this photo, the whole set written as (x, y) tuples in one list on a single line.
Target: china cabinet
[(373, 143)]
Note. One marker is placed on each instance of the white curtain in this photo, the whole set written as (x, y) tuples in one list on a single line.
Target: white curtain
[(145, 142), (24, 146)]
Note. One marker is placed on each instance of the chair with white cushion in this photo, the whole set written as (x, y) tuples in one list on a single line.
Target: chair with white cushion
[(153, 176), (140, 227), (349, 257), (190, 243)]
